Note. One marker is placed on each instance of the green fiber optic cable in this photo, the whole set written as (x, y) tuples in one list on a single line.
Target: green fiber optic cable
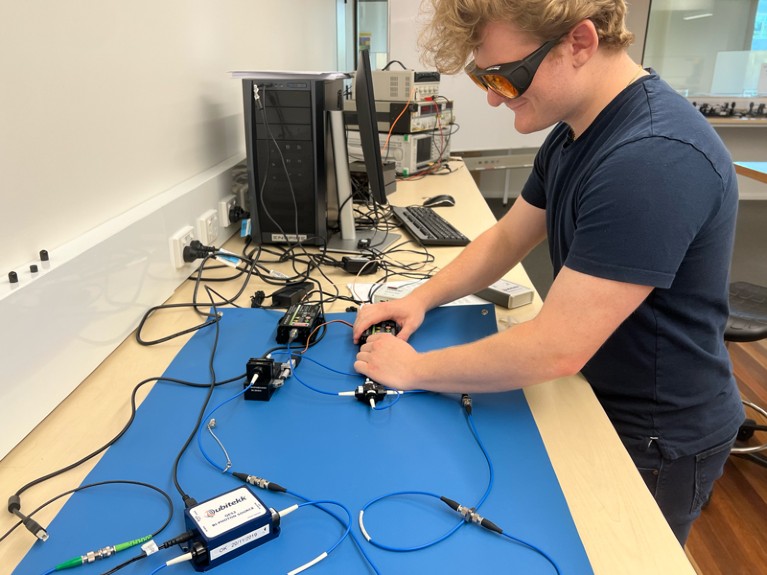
[(92, 556)]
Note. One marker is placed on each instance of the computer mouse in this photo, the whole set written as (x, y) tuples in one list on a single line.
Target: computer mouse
[(438, 201)]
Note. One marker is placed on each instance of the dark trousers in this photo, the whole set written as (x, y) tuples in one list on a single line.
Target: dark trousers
[(680, 486)]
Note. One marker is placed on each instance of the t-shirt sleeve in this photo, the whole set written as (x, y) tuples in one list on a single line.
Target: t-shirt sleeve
[(639, 212), (534, 191)]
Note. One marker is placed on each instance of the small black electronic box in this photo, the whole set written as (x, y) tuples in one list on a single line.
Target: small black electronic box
[(386, 326), (303, 318)]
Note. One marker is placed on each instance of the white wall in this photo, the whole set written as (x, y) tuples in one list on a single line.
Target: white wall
[(107, 103), (119, 124)]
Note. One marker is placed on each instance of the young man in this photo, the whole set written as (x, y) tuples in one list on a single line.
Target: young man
[(638, 198)]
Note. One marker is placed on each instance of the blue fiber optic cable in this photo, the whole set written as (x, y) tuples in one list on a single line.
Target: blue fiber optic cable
[(378, 407), (318, 504), (204, 424), (449, 532), (340, 520)]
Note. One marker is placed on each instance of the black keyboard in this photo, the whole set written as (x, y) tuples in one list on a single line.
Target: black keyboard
[(428, 227)]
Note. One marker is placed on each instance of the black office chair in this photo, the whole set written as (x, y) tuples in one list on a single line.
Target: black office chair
[(748, 322)]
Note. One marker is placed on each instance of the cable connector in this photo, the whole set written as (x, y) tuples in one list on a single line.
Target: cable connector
[(470, 515), (257, 298), (237, 214), (259, 482), (370, 392), (14, 507), (466, 403), (35, 528), (196, 250), (177, 540), (257, 97)]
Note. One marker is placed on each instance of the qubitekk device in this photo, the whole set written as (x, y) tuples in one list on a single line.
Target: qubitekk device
[(227, 526)]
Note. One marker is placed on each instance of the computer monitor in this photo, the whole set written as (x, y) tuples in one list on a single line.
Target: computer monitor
[(368, 128), (352, 239)]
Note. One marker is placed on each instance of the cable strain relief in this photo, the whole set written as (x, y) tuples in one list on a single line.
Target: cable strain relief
[(487, 524), (450, 503), (14, 503), (189, 501), (241, 476), (276, 487), (183, 538)]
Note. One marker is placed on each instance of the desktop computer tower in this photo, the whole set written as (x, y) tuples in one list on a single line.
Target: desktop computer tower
[(291, 173)]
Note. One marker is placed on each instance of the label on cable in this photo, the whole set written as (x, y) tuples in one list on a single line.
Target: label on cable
[(245, 228), (150, 547), (227, 258)]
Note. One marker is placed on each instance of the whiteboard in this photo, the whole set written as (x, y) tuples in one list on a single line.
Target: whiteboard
[(482, 127)]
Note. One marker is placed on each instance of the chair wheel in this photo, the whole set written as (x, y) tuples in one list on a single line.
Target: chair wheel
[(746, 430)]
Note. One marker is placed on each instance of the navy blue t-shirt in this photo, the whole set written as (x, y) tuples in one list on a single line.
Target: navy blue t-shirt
[(648, 195)]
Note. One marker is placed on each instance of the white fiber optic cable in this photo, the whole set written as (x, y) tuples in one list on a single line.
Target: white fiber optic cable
[(288, 510), (362, 527), (311, 563), (179, 559)]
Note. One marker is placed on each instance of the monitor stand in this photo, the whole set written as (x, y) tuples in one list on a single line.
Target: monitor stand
[(350, 240), (364, 242)]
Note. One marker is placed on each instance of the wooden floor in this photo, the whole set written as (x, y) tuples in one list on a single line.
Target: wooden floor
[(730, 537)]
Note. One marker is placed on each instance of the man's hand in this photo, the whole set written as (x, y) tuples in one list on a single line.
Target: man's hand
[(407, 313), (388, 360)]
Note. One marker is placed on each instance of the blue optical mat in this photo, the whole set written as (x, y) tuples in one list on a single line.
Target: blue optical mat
[(327, 447)]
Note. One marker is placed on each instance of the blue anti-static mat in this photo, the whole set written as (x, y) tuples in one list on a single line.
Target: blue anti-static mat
[(330, 448)]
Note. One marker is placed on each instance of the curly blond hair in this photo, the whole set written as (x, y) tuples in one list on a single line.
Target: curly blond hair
[(454, 27)]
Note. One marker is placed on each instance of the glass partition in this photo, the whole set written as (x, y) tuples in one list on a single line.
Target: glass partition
[(362, 24), (709, 47)]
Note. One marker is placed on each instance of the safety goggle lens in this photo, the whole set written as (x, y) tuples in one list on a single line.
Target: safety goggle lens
[(501, 85)]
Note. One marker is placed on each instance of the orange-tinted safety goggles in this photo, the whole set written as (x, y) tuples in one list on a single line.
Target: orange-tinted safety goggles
[(510, 80)]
